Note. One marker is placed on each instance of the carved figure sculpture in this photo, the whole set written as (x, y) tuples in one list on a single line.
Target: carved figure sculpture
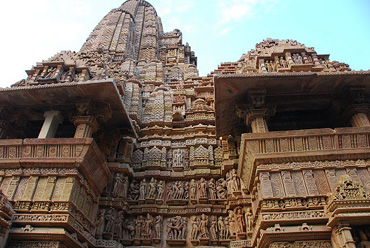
[(221, 228), (148, 227), (213, 228), (221, 189), (176, 228), (202, 187), (227, 228), (110, 216), (204, 227), (248, 218), (194, 228), (117, 185), (139, 224), (158, 227), (160, 190), (133, 193), (118, 225), (99, 223), (129, 229), (143, 189), (193, 190), (152, 188), (212, 189), (240, 222)]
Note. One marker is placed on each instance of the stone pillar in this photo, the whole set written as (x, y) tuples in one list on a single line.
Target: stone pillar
[(256, 119), (86, 126), (51, 123), (360, 120), (345, 232)]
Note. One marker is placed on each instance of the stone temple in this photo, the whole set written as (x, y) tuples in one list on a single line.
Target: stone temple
[(123, 144)]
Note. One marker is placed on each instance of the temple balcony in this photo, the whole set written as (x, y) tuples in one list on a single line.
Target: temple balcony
[(81, 153), (300, 146)]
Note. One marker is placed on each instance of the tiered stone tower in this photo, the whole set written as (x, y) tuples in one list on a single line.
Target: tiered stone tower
[(119, 145)]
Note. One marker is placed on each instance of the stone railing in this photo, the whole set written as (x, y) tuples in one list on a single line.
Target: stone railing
[(301, 145), (83, 154)]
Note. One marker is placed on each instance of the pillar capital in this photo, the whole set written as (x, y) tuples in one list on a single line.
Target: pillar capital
[(86, 126)]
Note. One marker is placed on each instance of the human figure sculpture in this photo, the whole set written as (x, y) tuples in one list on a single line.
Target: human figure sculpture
[(193, 190), (133, 193), (142, 189), (152, 188), (117, 185), (176, 228), (221, 189), (232, 223), (158, 227), (118, 225), (204, 226), (202, 187), (183, 225), (125, 185), (235, 181), (160, 190), (186, 190), (221, 228), (248, 218), (99, 223), (148, 227), (194, 228), (240, 222), (139, 224), (227, 228), (110, 215), (212, 189), (213, 228)]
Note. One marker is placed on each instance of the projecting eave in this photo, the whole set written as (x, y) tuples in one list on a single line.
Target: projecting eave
[(57, 96), (232, 89)]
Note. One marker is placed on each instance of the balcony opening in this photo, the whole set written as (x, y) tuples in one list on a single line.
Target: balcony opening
[(65, 130), (306, 119)]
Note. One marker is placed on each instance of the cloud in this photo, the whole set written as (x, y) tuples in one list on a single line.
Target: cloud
[(167, 7), (224, 31), (232, 11)]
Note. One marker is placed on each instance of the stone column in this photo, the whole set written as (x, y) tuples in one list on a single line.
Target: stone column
[(51, 123), (86, 126), (256, 119), (346, 236), (360, 120)]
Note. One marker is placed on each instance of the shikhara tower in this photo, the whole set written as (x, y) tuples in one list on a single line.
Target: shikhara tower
[(122, 144)]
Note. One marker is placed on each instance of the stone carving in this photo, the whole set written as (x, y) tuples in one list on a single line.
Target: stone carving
[(177, 193), (152, 188), (110, 216), (160, 190), (99, 223), (133, 192), (193, 191), (142, 189), (176, 229)]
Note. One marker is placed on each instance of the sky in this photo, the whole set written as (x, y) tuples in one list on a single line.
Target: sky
[(218, 30)]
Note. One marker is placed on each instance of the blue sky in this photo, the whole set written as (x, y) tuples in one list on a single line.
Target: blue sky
[(218, 30)]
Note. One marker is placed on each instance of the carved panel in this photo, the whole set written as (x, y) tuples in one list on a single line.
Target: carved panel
[(277, 185), (321, 182), (266, 185), (310, 182)]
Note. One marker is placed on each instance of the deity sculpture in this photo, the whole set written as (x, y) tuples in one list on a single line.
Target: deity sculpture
[(213, 227), (202, 188), (99, 223), (142, 189)]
